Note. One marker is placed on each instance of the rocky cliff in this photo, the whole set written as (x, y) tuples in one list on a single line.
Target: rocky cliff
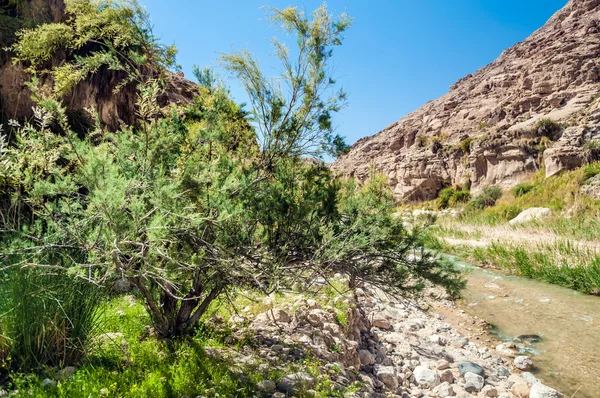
[(533, 108)]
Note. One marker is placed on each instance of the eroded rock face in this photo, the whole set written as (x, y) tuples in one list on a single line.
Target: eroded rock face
[(482, 132)]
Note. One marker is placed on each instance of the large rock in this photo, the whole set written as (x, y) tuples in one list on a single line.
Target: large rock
[(531, 214), (297, 382), (472, 367), (426, 377), (483, 131), (539, 390), (523, 363), (388, 376), (473, 382)]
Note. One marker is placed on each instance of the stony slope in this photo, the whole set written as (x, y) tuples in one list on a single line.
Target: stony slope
[(483, 131)]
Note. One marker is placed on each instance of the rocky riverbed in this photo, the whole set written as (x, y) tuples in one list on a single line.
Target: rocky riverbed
[(387, 348)]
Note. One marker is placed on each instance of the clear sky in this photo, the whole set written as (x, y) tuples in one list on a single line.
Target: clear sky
[(398, 54)]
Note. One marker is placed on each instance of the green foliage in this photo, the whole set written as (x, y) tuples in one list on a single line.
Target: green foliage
[(482, 126), (48, 318), (590, 171), (487, 198), (593, 145), (522, 189), (562, 263), (298, 120), (548, 128), (112, 35), (191, 202), (465, 146), (451, 196)]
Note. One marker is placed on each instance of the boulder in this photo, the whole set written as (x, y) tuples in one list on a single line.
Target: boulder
[(523, 363), (531, 214), (470, 367), (473, 382), (266, 386), (387, 375), (297, 382), (539, 390), (425, 377), (520, 389), (444, 390), (366, 358), (381, 321)]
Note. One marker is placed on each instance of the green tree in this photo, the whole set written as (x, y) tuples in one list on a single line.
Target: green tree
[(197, 201)]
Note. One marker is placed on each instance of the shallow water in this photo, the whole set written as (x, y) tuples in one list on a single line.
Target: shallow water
[(568, 356)]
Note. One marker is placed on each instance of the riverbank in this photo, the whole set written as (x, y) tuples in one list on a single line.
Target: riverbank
[(341, 344)]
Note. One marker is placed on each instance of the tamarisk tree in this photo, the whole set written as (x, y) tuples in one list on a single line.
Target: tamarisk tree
[(197, 201)]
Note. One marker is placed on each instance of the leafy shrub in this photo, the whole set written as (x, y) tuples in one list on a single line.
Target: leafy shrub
[(452, 195), (487, 198), (522, 189), (191, 203), (422, 141), (460, 196), (436, 144)]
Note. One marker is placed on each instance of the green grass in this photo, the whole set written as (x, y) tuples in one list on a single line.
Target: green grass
[(133, 363), (561, 263), (46, 318)]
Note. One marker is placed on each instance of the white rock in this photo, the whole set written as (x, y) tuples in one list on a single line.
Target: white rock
[(534, 213), (267, 386), (425, 377), (523, 363), (541, 391), (444, 390), (473, 382), (300, 381)]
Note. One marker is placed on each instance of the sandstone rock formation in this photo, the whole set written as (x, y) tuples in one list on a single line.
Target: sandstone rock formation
[(493, 127)]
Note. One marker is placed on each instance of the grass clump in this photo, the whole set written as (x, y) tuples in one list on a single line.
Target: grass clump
[(522, 189), (590, 171), (48, 319)]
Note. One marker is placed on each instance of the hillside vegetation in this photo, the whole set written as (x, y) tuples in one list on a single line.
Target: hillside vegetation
[(561, 248)]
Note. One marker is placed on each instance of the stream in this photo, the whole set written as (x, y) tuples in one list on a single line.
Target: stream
[(559, 328)]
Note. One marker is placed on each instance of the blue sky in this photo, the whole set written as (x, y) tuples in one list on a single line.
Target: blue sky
[(398, 54)]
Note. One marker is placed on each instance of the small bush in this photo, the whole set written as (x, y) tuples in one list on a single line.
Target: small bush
[(593, 145), (452, 195), (436, 144), (522, 189), (422, 141), (549, 128), (460, 196), (482, 126), (465, 146), (488, 198)]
